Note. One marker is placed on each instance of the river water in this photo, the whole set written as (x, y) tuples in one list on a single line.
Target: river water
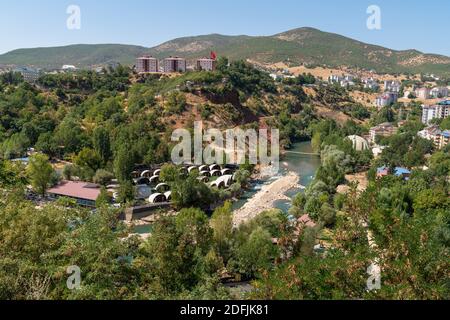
[(304, 165)]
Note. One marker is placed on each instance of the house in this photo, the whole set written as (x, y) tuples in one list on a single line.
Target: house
[(440, 110), (398, 172), (68, 67), (382, 172), (402, 173), (84, 193), (383, 130)]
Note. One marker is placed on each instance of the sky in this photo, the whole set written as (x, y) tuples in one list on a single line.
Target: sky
[(405, 24)]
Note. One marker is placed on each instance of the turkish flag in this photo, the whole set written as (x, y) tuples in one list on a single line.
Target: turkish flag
[(213, 55)]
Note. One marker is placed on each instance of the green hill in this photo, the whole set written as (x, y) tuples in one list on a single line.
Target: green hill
[(303, 45), (81, 55)]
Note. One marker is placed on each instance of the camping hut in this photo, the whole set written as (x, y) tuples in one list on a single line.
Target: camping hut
[(203, 179), (219, 183), (162, 187), (135, 175), (192, 169), (146, 174), (205, 174), (203, 168), (157, 198), (168, 196), (214, 167), (227, 179), (225, 171), (154, 180), (142, 181), (215, 173), (157, 172)]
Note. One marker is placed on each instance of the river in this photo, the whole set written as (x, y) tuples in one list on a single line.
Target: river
[(304, 165)]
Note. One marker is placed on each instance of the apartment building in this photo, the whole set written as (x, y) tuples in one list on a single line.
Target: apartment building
[(174, 64), (392, 86), (147, 64), (423, 93), (439, 92), (206, 64), (437, 111), (386, 99), (370, 83), (28, 74), (439, 138), (386, 129)]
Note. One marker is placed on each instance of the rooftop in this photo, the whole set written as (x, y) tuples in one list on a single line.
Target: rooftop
[(74, 189)]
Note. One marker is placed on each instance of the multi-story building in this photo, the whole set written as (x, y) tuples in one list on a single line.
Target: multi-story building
[(345, 81), (28, 74), (392, 86), (439, 92), (437, 111), (423, 93), (370, 83), (335, 78), (174, 64), (147, 64), (386, 99), (386, 129), (439, 138), (206, 64)]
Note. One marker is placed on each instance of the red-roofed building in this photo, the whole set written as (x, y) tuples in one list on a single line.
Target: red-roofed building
[(83, 192)]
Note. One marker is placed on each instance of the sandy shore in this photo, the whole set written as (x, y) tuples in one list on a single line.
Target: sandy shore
[(265, 198)]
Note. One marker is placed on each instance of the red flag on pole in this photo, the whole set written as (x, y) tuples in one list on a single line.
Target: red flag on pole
[(213, 55)]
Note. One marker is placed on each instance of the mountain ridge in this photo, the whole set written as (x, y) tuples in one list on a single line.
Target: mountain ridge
[(308, 46)]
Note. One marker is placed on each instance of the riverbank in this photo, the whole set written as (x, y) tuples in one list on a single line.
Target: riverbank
[(265, 198)]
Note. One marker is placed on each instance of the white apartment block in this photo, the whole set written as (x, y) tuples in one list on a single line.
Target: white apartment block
[(437, 111), (386, 99)]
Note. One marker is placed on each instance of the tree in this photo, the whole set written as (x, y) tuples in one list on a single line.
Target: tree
[(126, 192), (190, 192), (103, 199), (169, 173), (102, 144), (222, 225), (256, 254), (123, 164), (40, 173), (46, 144), (103, 177)]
